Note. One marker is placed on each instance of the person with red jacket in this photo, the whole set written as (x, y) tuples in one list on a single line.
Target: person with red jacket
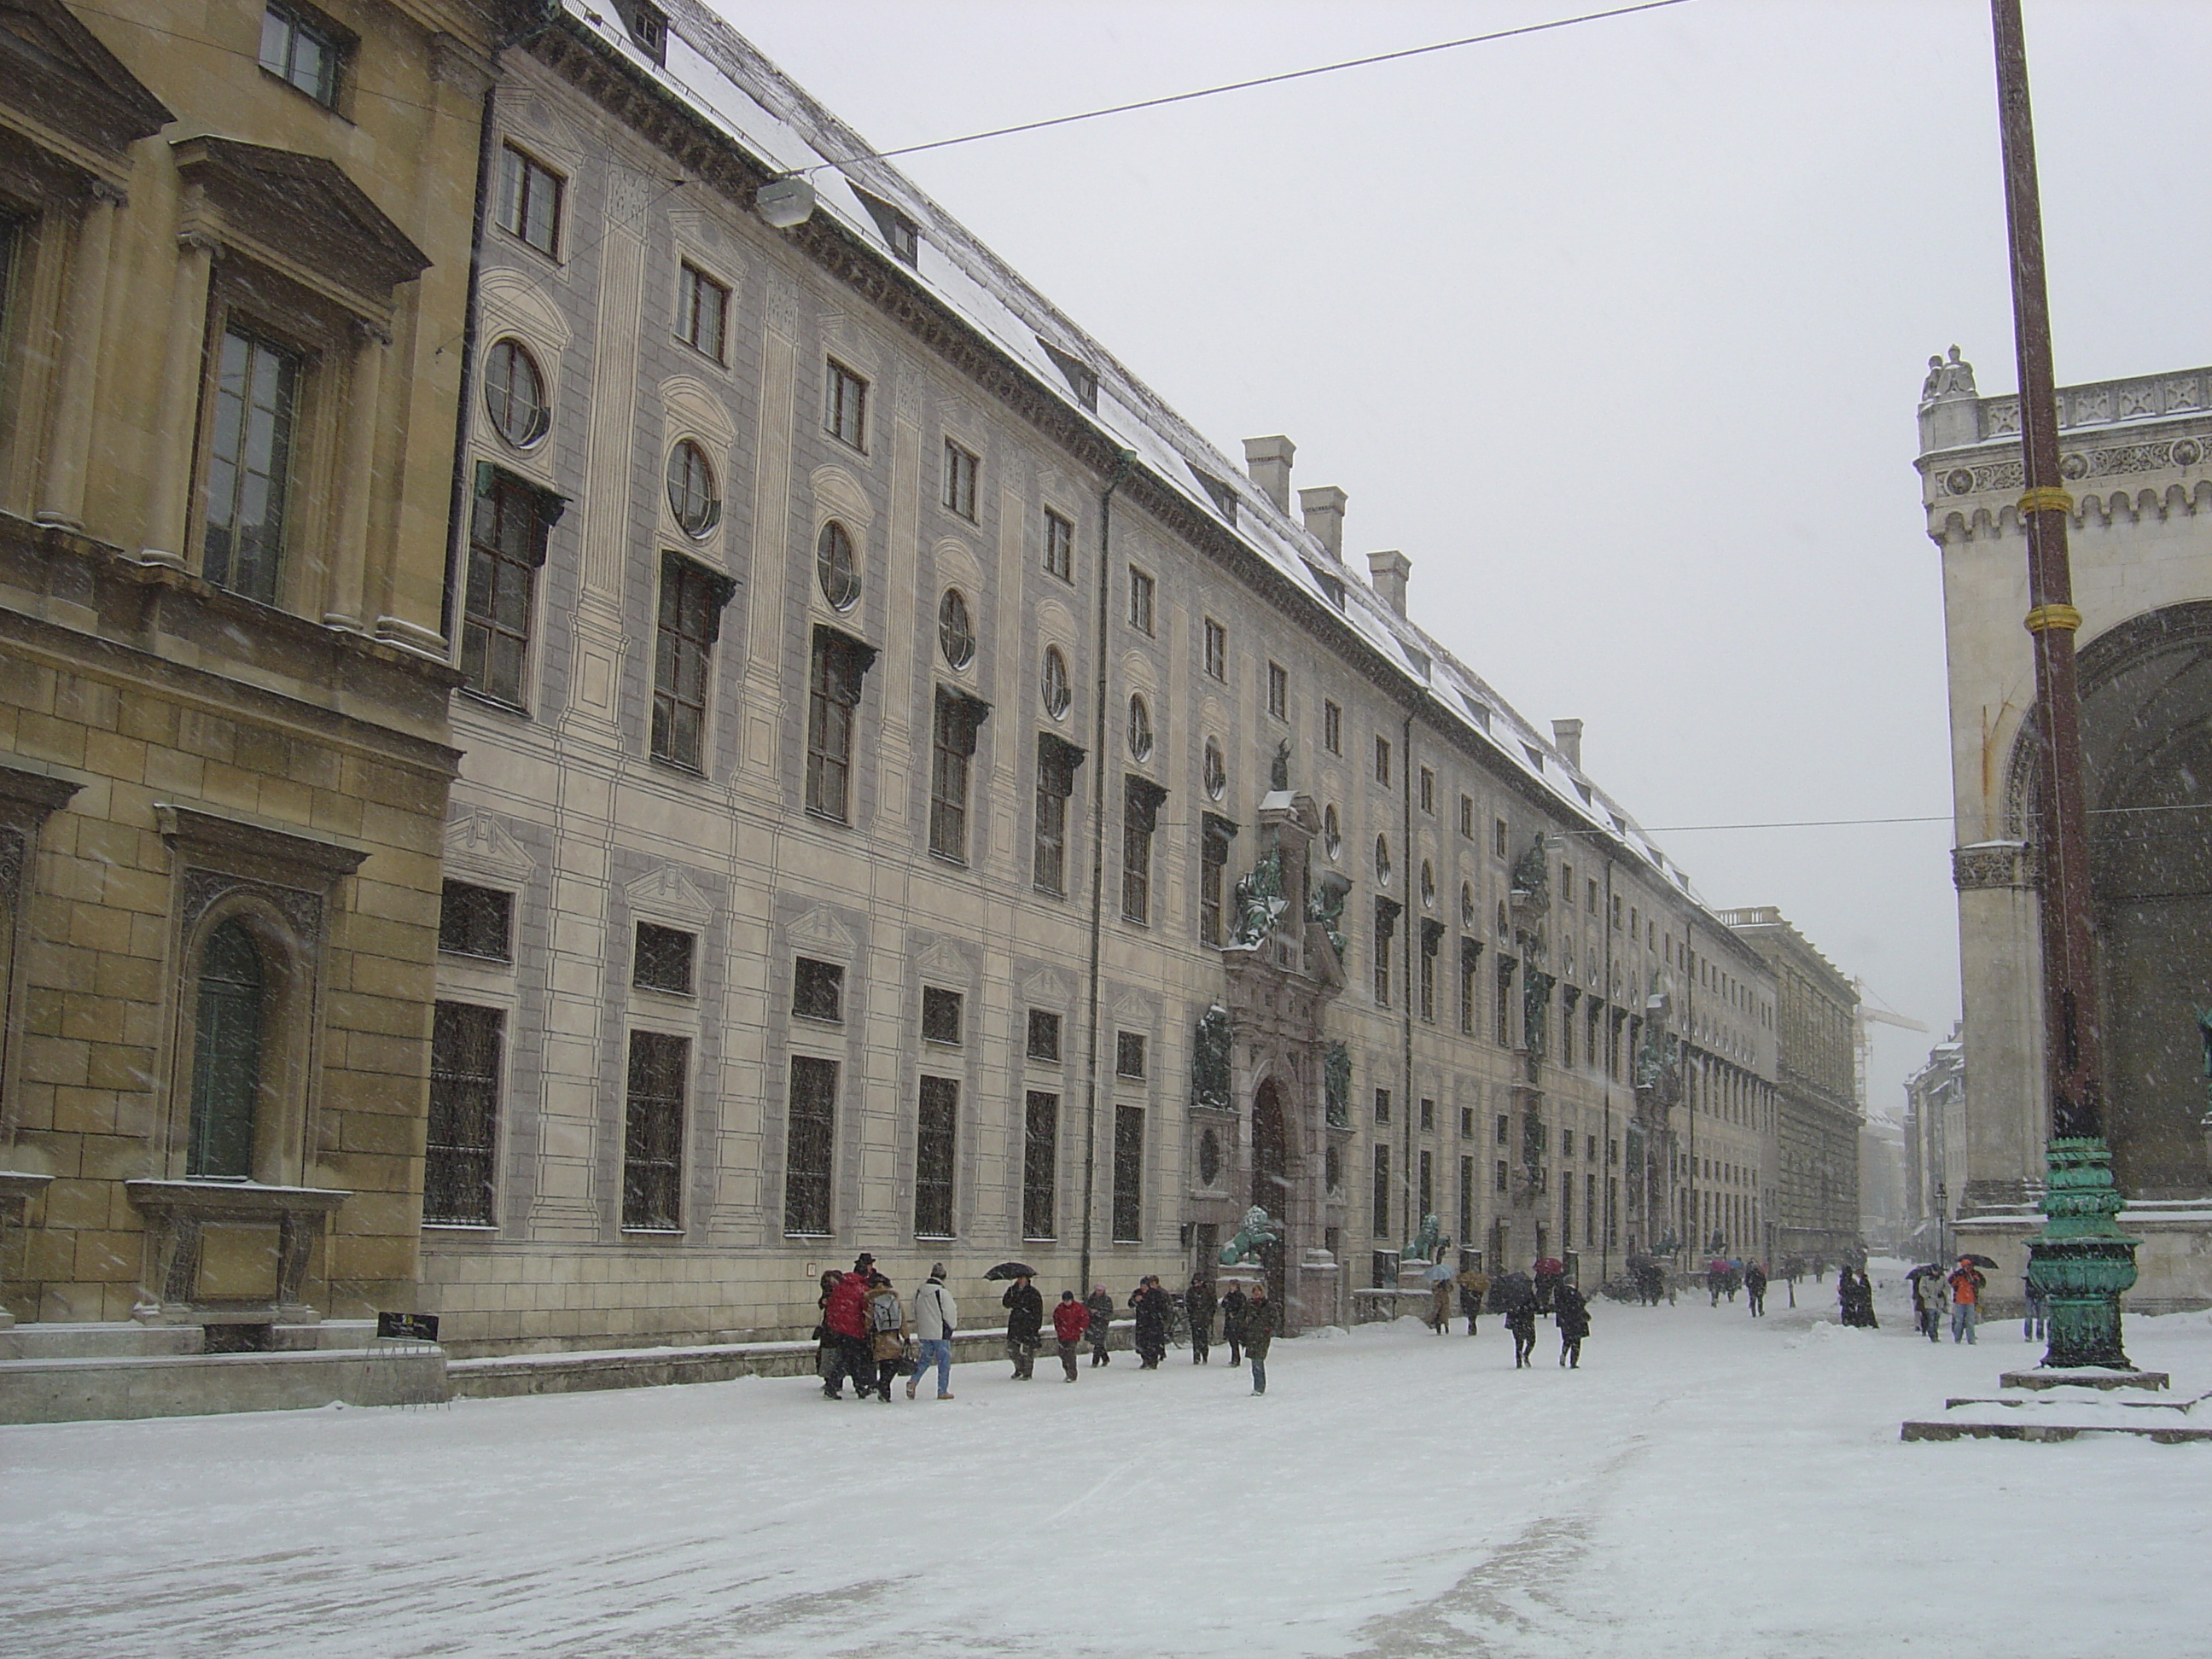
[(845, 1316), (1070, 1320)]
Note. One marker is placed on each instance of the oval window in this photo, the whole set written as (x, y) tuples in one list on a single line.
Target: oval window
[(691, 495), (956, 630), (835, 567), (1057, 696), (1140, 728), (1467, 905), (1332, 836), (1382, 859), (514, 394), (1217, 771), (1428, 884)]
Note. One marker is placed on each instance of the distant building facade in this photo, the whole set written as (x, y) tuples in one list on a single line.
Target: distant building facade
[(2135, 457), (919, 797), (1935, 1146), (234, 259), (1818, 1118)]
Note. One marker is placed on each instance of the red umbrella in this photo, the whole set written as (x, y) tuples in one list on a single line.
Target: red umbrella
[(1549, 1266)]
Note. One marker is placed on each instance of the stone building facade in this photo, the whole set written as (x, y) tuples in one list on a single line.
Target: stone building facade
[(2134, 452), (920, 797), (1934, 1147), (1818, 1119), (233, 261)]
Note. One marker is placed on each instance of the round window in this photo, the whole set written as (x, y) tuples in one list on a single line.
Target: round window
[(1332, 837), (955, 631), (835, 567), (1382, 859), (1140, 728), (1057, 696), (691, 493), (1217, 771), (514, 394)]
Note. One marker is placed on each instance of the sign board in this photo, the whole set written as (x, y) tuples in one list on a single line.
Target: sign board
[(415, 1327)]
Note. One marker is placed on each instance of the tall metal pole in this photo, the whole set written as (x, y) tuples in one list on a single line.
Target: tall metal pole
[(2081, 1263)]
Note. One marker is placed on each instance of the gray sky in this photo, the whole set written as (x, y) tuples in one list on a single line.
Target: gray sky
[(1616, 332)]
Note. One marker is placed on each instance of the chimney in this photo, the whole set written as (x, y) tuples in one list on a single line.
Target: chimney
[(1323, 510), (1388, 572), (1567, 738), (1268, 461)]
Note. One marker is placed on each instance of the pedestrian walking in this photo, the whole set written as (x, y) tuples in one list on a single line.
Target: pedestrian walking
[(1473, 1285), (845, 1312), (1100, 1306), (825, 1339), (1149, 1302), (1929, 1295), (1070, 1318), (936, 1316), (1232, 1322), (1521, 1319), (1967, 1284), (1024, 1326), (1198, 1310), (1571, 1313), (2035, 1327), (1261, 1321), (1440, 1277), (1855, 1298), (1754, 1288), (889, 1331)]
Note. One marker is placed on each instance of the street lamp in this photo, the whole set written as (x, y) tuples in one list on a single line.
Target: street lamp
[(2082, 1261)]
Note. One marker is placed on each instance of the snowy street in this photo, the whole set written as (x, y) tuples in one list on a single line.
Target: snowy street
[(1705, 1484)]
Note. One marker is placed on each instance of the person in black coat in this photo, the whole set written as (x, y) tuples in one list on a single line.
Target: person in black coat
[(1198, 1303), (1149, 1302), (1521, 1319), (1232, 1322), (1025, 1326), (1102, 1324), (1570, 1311), (1754, 1288)]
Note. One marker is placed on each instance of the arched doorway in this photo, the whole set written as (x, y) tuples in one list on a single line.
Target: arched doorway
[(1271, 1176)]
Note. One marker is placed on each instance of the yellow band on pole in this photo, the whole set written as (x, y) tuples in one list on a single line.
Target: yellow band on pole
[(2047, 501), (2053, 615)]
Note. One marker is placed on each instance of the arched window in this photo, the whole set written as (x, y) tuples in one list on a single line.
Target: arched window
[(692, 495), (835, 568), (225, 1055)]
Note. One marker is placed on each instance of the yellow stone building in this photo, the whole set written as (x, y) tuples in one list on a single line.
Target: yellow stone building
[(235, 245)]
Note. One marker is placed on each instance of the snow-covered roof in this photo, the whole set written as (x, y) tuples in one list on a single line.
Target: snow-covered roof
[(730, 84)]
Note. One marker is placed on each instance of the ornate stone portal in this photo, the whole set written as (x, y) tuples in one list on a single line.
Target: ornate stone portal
[(1283, 967)]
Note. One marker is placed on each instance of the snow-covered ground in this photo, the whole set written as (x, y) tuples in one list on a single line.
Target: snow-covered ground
[(1706, 1485)]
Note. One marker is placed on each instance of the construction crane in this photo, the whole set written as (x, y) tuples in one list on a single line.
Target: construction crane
[(1863, 1016)]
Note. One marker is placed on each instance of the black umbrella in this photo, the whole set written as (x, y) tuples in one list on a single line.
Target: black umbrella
[(1924, 1270), (1980, 1261), (1015, 1270)]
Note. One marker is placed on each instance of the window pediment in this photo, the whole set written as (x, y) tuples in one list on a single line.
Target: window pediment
[(62, 84), (300, 215)]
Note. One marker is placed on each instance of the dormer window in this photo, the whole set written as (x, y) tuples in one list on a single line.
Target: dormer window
[(901, 235), (646, 27)]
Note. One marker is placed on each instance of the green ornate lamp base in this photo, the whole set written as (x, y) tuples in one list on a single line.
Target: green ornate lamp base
[(2082, 1261)]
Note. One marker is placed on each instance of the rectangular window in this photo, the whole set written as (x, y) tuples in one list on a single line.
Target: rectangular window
[(1567, 1037), (1432, 936), (1505, 1005), (1502, 1180), (257, 392), (1140, 808), (1213, 867), (1332, 728), (1140, 600), (952, 750), (845, 406), (1041, 1164), (1216, 649), (458, 1161), (1498, 838), (1466, 1200), (1385, 926), (1382, 1105), (1428, 790), (1128, 1174), (1591, 907), (1467, 1123), (702, 312), (692, 600), (1044, 1036), (935, 1137), (1055, 781), (1428, 1182), (833, 693), (960, 469), (1505, 1130), (475, 922), (1059, 547), (652, 1131), (942, 1012), (1129, 1053), (818, 990), (1469, 961), (1382, 761), (305, 49), (810, 1138), (506, 549), (1380, 1220), (1428, 1117), (1279, 692), (662, 958), (529, 200)]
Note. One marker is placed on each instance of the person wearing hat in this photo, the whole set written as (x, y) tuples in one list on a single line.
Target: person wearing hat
[(1024, 1326), (1967, 1284), (936, 1316), (1101, 1305), (1070, 1318)]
